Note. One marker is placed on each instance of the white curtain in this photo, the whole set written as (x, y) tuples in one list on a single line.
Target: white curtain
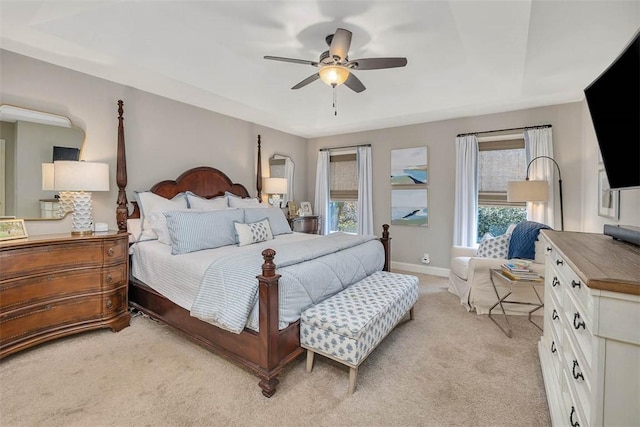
[(465, 217), (322, 190), (365, 204), (539, 142)]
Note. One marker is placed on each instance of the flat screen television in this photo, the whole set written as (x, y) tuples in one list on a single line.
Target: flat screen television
[(614, 104), (65, 153)]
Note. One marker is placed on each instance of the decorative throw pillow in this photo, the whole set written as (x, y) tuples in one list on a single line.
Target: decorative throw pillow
[(214, 204), (253, 232), (150, 202), (159, 225), (277, 221), (495, 247), (192, 231), (242, 202)]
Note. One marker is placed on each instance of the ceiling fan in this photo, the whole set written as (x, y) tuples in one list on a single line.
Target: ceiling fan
[(335, 66)]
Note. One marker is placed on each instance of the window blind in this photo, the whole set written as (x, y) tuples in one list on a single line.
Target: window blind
[(344, 177)]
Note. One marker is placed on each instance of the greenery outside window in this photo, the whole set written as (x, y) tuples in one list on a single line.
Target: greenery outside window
[(343, 195)]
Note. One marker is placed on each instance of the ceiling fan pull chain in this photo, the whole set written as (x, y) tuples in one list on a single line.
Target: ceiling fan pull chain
[(335, 100)]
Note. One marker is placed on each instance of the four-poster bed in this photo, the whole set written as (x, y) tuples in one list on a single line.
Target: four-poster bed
[(264, 352)]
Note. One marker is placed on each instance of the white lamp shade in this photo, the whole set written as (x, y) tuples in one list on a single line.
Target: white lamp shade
[(528, 191), (275, 185), (47, 177), (81, 176)]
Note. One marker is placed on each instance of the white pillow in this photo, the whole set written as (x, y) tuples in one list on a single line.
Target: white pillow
[(214, 204), (134, 227), (495, 247), (149, 203), (159, 225), (240, 202), (253, 232)]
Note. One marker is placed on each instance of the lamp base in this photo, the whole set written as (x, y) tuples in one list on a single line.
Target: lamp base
[(82, 223)]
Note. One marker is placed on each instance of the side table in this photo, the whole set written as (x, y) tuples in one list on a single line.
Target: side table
[(497, 273)]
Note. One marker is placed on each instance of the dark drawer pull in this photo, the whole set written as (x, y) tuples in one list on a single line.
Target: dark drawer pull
[(109, 304), (573, 371), (554, 315), (577, 323), (110, 251), (555, 282), (575, 284), (553, 347), (559, 262), (549, 249), (573, 423), (109, 278)]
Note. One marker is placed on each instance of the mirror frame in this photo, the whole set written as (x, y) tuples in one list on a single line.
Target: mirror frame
[(288, 174)]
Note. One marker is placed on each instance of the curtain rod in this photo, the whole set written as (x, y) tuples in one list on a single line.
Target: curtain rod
[(504, 130), (346, 146)]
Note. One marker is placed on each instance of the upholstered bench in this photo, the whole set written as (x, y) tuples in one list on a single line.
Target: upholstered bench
[(349, 325)]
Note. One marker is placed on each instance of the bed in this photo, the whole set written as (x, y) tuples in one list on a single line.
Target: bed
[(265, 351)]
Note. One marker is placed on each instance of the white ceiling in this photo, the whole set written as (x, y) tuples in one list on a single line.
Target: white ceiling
[(464, 57)]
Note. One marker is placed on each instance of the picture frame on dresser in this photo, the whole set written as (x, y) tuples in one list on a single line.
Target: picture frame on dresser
[(12, 229), (608, 199)]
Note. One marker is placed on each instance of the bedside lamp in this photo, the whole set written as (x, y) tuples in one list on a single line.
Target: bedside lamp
[(275, 187), (81, 178), (65, 198)]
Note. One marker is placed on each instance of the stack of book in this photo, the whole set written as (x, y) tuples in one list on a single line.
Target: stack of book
[(519, 270)]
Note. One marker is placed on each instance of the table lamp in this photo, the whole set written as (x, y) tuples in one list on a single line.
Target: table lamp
[(65, 198), (81, 178), (275, 187)]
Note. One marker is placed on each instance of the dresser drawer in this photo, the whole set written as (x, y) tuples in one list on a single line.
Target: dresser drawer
[(578, 376), (43, 259), (578, 328), (114, 276), (114, 303), (32, 321), (115, 250), (18, 293)]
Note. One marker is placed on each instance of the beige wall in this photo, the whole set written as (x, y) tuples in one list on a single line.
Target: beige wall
[(575, 151), (163, 137)]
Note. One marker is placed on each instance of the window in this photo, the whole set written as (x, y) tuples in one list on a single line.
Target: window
[(498, 163), (343, 195)]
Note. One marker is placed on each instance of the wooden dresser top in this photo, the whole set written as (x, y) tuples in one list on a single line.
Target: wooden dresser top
[(57, 238), (600, 261)]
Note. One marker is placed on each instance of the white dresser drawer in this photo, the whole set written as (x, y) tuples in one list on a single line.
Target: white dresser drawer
[(578, 327), (578, 372)]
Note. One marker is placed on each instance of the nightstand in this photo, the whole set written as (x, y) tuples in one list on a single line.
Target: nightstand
[(57, 285), (309, 224)]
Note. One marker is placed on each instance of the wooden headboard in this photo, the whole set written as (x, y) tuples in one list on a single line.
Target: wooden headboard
[(204, 181)]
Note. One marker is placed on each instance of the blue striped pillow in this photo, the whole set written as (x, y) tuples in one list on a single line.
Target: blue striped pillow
[(277, 221), (199, 230)]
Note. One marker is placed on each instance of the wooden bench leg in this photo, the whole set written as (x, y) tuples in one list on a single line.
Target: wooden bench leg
[(411, 315), (309, 360), (353, 375)]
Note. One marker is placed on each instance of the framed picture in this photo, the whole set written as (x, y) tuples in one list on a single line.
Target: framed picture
[(305, 209), (608, 199), (293, 208), (12, 229), (409, 166), (409, 207)]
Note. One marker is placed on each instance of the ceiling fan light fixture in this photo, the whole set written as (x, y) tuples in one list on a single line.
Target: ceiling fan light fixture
[(334, 75)]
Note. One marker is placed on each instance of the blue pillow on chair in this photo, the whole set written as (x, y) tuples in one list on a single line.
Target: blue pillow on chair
[(523, 238)]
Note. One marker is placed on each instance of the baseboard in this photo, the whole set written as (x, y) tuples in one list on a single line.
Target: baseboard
[(417, 268)]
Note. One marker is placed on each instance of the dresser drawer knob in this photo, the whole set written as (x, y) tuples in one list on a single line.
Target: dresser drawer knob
[(109, 304), (555, 282), (575, 284), (549, 249), (559, 262), (109, 278), (553, 347), (573, 423), (577, 323), (577, 375), (554, 315), (110, 251)]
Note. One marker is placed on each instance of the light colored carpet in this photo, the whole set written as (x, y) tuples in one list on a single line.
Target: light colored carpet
[(447, 367)]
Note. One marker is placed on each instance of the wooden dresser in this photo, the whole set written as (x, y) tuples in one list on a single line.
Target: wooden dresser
[(56, 285), (590, 350), (309, 224)]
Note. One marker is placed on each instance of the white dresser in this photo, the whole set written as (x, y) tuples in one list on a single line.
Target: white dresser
[(590, 350)]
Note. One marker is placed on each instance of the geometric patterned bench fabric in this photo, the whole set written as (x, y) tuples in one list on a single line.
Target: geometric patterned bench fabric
[(349, 325)]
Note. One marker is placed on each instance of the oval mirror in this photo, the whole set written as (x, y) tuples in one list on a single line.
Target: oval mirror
[(281, 166), (29, 138)]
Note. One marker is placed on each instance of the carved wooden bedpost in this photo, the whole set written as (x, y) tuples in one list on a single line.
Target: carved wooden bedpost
[(259, 172), (386, 243), (269, 318), (122, 210)]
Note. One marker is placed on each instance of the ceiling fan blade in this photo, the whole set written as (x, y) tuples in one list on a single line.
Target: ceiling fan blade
[(340, 43), (312, 78), (376, 63), (354, 83), (295, 61)]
